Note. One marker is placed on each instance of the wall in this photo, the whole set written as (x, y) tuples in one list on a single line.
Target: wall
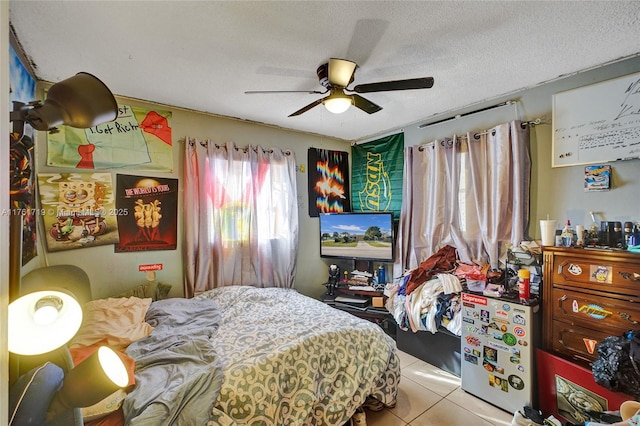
[(557, 192), (112, 273)]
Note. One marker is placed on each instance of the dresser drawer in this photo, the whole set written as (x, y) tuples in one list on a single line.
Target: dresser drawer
[(597, 274), (577, 342), (595, 311)]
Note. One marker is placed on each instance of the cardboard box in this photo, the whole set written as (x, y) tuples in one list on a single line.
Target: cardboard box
[(377, 302)]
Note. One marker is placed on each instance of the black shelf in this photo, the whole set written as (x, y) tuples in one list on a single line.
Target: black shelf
[(366, 310)]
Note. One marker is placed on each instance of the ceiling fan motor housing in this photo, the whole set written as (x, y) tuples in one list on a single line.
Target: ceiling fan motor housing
[(323, 75)]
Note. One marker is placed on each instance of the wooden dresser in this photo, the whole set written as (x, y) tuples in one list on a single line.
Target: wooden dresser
[(587, 295)]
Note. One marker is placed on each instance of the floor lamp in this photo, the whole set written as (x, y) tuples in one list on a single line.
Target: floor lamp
[(80, 101), (50, 318)]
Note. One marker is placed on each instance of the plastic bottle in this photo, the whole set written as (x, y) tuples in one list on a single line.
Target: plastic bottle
[(382, 275), (618, 236), (524, 284), (628, 231)]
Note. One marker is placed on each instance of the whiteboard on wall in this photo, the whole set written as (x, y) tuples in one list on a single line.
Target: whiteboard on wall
[(597, 123)]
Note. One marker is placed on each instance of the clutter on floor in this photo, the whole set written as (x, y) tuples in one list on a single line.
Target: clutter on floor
[(628, 415)]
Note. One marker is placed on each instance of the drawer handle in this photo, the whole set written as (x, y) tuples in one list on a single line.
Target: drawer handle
[(629, 276), (626, 316), (561, 267), (560, 300)]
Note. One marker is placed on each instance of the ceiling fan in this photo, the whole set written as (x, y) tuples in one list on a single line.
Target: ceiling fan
[(336, 75)]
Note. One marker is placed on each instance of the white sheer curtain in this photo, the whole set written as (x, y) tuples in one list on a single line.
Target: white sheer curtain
[(470, 192), (241, 216)]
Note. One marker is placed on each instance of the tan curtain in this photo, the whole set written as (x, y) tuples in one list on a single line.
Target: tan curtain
[(470, 192), (241, 216)]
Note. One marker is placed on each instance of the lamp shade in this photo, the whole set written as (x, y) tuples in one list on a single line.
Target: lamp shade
[(81, 101), (42, 321), (94, 379)]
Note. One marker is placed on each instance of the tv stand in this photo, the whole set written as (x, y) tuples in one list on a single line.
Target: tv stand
[(364, 304)]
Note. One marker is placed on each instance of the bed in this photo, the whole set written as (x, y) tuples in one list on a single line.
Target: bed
[(271, 357), (242, 356)]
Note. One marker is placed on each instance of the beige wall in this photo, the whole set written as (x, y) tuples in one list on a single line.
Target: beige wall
[(112, 273), (557, 192)]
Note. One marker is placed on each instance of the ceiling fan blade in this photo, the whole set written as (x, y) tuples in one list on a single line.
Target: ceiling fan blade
[(366, 36), (307, 108), (341, 72), (365, 104), (386, 86), (311, 92)]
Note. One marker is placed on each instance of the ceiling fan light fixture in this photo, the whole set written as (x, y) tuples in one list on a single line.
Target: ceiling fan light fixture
[(337, 103)]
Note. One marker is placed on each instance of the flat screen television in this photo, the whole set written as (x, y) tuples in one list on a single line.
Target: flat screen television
[(357, 236)]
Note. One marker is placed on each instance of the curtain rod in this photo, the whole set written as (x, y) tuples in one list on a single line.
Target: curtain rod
[(448, 142), (422, 126), (204, 144)]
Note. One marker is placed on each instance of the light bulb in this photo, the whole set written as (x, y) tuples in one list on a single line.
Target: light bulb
[(113, 366), (45, 315), (47, 310)]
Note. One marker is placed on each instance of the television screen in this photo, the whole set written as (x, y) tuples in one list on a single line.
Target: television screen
[(358, 236)]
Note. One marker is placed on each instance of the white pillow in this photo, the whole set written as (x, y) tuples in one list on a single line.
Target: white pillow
[(119, 321)]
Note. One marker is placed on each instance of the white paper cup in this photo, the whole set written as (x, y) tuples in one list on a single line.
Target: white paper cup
[(548, 230)]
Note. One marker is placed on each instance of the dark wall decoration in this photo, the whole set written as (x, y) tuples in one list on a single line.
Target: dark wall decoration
[(328, 181), (376, 175), (21, 167), (151, 222)]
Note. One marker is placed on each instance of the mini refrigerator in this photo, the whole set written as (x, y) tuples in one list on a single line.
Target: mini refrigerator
[(498, 349)]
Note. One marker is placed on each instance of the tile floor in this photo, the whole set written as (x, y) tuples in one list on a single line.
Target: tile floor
[(429, 396)]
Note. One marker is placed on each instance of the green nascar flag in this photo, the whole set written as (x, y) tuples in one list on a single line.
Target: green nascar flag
[(376, 175)]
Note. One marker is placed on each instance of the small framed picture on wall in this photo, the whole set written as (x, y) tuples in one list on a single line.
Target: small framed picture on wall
[(597, 178)]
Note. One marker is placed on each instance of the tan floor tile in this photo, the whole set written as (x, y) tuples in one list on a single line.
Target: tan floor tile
[(446, 413), (429, 396), (383, 418), (413, 400), (432, 378), (406, 359), (490, 413)]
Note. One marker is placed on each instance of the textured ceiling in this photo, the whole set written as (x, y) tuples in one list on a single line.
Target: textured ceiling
[(203, 55)]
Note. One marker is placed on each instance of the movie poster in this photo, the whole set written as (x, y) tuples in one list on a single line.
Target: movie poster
[(152, 222), (78, 210)]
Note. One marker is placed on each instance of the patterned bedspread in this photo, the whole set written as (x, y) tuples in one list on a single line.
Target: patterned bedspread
[(288, 359), (177, 368)]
